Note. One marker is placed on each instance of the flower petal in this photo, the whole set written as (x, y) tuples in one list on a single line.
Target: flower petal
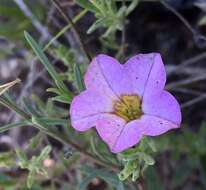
[(153, 126), (138, 70), (85, 108), (156, 78), (115, 74), (107, 75), (164, 106), (121, 136), (130, 135), (95, 76), (109, 129)]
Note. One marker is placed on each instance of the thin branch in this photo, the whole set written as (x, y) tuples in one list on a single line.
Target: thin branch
[(187, 62), (64, 29), (55, 134), (196, 35), (186, 23), (5, 102), (193, 101), (185, 82), (123, 30), (189, 71), (188, 91), (69, 20), (89, 155)]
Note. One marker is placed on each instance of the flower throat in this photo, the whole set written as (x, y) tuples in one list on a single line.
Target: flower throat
[(128, 107)]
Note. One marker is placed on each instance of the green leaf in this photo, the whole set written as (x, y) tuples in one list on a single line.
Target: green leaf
[(13, 125), (23, 160), (30, 179), (130, 154), (35, 141), (45, 153), (29, 108), (108, 177), (151, 144), (67, 56), (7, 86), (54, 121), (78, 78), (135, 174), (34, 165), (94, 148), (9, 103), (7, 159), (44, 60), (129, 168), (147, 158), (95, 25), (132, 6), (54, 90), (62, 99), (87, 5)]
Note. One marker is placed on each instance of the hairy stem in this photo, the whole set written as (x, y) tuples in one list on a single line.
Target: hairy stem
[(54, 133)]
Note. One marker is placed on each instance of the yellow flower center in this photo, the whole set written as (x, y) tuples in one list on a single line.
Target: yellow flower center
[(128, 108)]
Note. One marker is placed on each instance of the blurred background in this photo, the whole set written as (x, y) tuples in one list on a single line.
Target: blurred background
[(70, 32)]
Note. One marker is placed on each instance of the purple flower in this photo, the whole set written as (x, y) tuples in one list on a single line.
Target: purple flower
[(125, 102)]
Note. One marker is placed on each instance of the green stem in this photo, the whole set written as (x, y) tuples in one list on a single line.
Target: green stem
[(42, 126), (13, 106), (67, 27)]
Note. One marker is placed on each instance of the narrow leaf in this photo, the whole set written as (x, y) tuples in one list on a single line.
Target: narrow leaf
[(54, 90), (44, 60), (132, 6), (45, 153), (35, 141), (30, 108), (87, 5), (95, 25), (23, 160), (62, 99), (78, 78), (13, 125), (9, 103)]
